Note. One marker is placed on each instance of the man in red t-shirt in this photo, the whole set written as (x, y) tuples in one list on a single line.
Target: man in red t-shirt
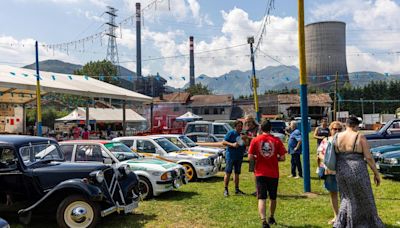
[(266, 150)]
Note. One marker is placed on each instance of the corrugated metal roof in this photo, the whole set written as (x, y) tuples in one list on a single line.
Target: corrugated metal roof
[(173, 98), (211, 100)]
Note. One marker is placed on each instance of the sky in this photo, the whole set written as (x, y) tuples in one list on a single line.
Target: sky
[(220, 29)]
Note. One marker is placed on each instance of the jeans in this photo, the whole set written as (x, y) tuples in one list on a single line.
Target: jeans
[(295, 162)]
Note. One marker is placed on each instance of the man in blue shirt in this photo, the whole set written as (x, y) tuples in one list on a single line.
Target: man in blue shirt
[(294, 149), (235, 149)]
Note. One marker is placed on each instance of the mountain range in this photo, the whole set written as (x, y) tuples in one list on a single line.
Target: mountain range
[(235, 82)]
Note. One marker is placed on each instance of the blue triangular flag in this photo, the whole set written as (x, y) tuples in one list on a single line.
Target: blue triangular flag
[(170, 77), (53, 77), (25, 75), (70, 77), (12, 73), (86, 77), (183, 78), (201, 77)]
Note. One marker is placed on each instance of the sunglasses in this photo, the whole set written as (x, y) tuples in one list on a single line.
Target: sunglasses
[(337, 129)]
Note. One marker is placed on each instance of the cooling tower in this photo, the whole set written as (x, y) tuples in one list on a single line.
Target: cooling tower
[(326, 53)]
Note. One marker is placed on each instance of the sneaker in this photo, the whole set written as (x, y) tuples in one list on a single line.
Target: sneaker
[(265, 225), (291, 176), (296, 177), (254, 194), (271, 221), (239, 192), (226, 193)]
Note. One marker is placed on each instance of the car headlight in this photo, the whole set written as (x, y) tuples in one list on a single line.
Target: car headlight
[(376, 155), (156, 173), (393, 161), (204, 162), (98, 175), (166, 176), (125, 169)]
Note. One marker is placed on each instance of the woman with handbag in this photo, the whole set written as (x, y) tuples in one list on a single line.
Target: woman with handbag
[(327, 175), (357, 206)]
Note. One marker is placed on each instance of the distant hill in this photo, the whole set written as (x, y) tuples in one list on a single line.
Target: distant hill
[(235, 82)]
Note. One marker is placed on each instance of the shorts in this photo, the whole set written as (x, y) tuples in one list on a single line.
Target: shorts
[(330, 183), (252, 164), (267, 186), (233, 164)]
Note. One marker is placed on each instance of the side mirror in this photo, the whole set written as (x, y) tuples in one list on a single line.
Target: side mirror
[(108, 161)]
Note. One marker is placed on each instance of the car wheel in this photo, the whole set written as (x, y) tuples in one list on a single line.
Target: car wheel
[(77, 211), (145, 188), (190, 172)]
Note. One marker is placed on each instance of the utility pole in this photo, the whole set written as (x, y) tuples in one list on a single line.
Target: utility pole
[(191, 66), (138, 48), (38, 98), (362, 107), (250, 40), (335, 97), (303, 99)]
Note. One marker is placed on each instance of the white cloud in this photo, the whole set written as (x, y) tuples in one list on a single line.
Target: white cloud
[(22, 52), (89, 15), (337, 9)]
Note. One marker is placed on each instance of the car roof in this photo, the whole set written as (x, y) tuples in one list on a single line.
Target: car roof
[(18, 140), (200, 122), (138, 137), (168, 135), (86, 141)]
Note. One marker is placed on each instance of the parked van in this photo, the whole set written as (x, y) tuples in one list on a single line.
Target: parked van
[(219, 130)]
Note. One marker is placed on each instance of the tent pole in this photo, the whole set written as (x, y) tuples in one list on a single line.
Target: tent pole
[(24, 119), (87, 115), (124, 117)]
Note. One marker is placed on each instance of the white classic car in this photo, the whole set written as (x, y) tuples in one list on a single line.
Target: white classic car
[(197, 165), (155, 176)]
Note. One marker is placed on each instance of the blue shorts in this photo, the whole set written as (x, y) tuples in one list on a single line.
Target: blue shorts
[(233, 164), (330, 183)]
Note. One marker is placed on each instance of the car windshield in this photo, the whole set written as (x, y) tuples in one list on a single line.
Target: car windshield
[(40, 152), (119, 148), (187, 141), (167, 145)]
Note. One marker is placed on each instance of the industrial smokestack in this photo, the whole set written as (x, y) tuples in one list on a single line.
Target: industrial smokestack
[(192, 82), (138, 47), (326, 53)]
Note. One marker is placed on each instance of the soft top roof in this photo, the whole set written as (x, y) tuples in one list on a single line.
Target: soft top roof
[(20, 140)]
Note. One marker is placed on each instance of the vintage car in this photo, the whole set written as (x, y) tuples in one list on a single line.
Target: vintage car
[(155, 176), (4, 223), (34, 179), (389, 164), (197, 165), (389, 134), (184, 142), (219, 130), (377, 152)]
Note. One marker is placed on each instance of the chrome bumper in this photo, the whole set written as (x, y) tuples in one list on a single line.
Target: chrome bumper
[(120, 208)]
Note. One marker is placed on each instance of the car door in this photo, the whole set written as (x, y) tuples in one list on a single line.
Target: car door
[(392, 134), (68, 150), (16, 189), (90, 153)]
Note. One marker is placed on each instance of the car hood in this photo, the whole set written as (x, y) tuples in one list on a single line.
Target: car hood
[(190, 154), (206, 149), (374, 135), (150, 164), (387, 148), (393, 154), (51, 174)]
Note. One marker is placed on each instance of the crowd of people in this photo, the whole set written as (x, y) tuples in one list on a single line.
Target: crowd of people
[(350, 178)]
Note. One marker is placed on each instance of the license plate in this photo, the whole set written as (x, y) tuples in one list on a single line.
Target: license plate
[(130, 207)]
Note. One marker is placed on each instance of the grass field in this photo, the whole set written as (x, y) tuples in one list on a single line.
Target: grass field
[(201, 204)]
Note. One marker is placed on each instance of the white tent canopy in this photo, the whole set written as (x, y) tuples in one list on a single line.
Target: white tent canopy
[(106, 115), (189, 116), (18, 86)]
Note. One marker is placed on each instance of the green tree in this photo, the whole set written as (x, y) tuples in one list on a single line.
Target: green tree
[(198, 89), (48, 116), (100, 68)]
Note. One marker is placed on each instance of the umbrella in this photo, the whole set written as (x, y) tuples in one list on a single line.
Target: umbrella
[(188, 117)]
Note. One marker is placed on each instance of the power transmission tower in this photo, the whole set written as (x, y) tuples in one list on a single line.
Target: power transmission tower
[(112, 49)]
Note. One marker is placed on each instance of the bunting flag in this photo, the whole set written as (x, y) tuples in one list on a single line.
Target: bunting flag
[(25, 75), (287, 79), (70, 77), (31, 95), (184, 79), (53, 77), (86, 77), (201, 77), (170, 77)]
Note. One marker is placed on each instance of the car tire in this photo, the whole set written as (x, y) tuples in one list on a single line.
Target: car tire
[(145, 185), (81, 204), (190, 171)]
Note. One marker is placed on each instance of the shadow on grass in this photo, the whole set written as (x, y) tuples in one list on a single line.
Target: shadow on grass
[(387, 198), (288, 197), (211, 179), (175, 195), (302, 226), (131, 220)]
